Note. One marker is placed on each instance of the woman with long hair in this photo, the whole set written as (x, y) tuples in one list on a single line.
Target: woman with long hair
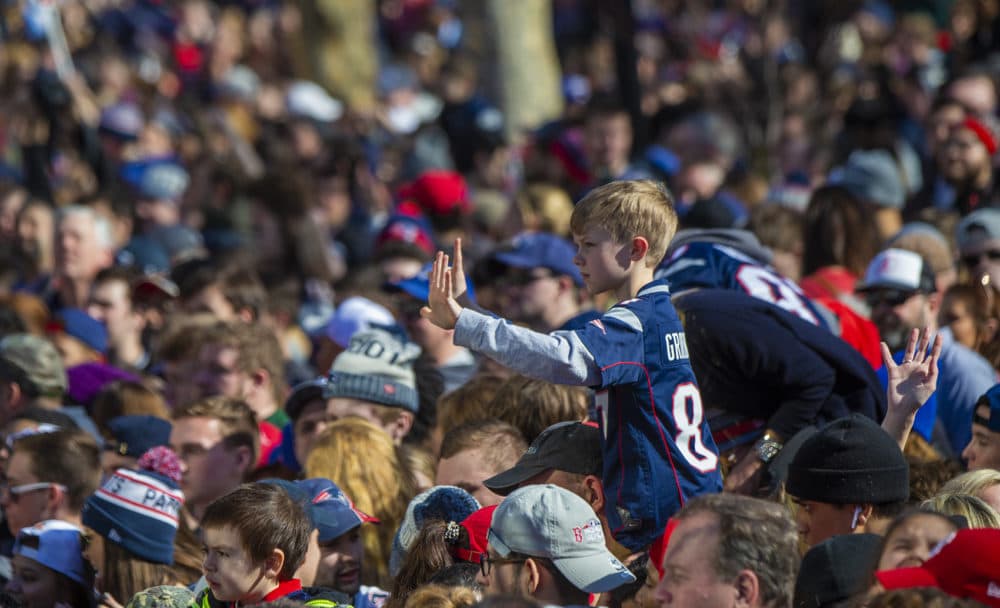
[(362, 459)]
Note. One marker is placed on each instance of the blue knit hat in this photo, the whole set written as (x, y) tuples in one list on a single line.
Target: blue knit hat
[(138, 510), (448, 503)]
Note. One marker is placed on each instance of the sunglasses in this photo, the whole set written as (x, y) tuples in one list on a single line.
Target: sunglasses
[(15, 492), (992, 255), (889, 297)]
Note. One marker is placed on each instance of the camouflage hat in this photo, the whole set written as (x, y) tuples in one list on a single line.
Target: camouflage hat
[(162, 597), (37, 360)]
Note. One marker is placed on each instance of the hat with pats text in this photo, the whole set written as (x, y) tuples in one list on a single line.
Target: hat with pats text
[(964, 565), (551, 522), (540, 250), (138, 509), (377, 366), (35, 361), (849, 461), (574, 447), (447, 503), (898, 269), (55, 545)]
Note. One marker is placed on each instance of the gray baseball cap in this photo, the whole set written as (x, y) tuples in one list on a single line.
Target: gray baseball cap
[(37, 360), (551, 522)]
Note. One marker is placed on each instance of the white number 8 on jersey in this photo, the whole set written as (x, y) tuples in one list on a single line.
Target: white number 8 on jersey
[(688, 438)]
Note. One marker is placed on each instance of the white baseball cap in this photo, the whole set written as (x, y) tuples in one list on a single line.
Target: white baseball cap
[(898, 269), (550, 522)]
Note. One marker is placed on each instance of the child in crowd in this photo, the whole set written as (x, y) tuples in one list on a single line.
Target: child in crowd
[(255, 538), (648, 404)]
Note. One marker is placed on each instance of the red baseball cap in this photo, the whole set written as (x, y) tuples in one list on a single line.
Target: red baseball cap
[(476, 525), (438, 192), (964, 565)]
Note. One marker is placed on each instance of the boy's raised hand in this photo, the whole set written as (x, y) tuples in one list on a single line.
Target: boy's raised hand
[(458, 285), (442, 309), (910, 383)]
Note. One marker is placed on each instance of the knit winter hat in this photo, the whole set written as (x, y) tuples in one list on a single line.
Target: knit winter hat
[(850, 460), (377, 367), (447, 503), (138, 510)]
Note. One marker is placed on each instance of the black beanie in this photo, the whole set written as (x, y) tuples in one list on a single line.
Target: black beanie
[(850, 460), (836, 569)]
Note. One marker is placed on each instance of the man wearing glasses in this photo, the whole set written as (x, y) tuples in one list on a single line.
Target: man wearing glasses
[(540, 284), (546, 543), (899, 287)]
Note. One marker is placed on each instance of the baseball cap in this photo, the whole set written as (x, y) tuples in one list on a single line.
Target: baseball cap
[(164, 182), (477, 527), (964, 565), (836, 569), (549, 522), (303, 393), (991, 399), (872, 176), (353, 315), (55, 545), (898, 269), (135, 435), (574, 447), (332, 512), (419, 285), (37, 360), (85, 328), (980, 225), (540, 250), (438, 192)]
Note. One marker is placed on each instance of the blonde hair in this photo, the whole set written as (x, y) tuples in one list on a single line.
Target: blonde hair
[(975, 510), (439, 596), (534, 405), (545, 208), (628, 209), (361, 458), (972, 482)]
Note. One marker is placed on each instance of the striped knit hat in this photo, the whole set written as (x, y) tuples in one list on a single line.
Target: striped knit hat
[(139, 509)]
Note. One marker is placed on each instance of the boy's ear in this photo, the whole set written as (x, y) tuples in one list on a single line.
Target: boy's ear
[(401, 426), (640, 247), (274, 563)]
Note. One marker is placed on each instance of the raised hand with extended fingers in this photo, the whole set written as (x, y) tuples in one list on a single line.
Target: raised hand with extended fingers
[(911, 382), (442, 308)]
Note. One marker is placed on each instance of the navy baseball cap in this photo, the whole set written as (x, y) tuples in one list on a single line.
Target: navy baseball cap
[(992, 400), (540, 250), (85, 328), (419, 285), (134, 435), (333, 513)]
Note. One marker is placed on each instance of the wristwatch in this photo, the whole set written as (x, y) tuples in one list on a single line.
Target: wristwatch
[(768, 447)]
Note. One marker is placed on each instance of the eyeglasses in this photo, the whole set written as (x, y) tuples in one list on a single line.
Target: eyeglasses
[(487, 562), (16, 491), (889, 297), (973, 259)]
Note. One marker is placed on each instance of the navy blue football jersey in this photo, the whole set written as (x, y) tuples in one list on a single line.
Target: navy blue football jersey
[(712, 265), (658, 449)]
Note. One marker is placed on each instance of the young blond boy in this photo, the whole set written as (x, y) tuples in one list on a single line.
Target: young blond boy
[(658, 450)]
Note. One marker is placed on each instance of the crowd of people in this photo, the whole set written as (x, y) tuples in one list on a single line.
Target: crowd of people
[(296, 308)]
